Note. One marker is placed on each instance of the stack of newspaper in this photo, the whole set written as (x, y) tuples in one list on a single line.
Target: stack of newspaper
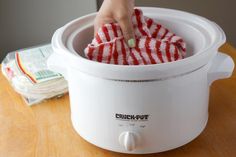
[(28, 74)]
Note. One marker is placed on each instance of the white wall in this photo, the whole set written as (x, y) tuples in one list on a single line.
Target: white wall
[(25, 23)]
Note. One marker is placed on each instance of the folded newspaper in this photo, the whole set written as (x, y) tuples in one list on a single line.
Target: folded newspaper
[(29, 75)]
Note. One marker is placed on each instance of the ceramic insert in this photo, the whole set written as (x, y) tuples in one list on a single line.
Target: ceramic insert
[(194, 39), (155, 44)]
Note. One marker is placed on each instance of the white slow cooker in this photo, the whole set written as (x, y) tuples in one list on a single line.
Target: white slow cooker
[(147, 108)]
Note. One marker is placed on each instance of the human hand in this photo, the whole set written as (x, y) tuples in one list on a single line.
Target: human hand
[(118, 11)]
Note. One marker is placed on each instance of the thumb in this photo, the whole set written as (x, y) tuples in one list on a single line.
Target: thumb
[(127, 30)]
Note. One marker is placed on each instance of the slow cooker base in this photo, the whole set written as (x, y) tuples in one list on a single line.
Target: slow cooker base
[(92, 141)]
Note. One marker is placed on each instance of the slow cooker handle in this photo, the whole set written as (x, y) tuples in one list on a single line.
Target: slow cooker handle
[(56, 60), (222, 67), (55, 63)]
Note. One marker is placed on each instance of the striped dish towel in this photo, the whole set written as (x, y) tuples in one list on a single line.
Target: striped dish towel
[(154, 44)]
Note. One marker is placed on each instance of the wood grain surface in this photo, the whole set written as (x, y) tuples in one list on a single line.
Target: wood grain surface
[(45, 130)]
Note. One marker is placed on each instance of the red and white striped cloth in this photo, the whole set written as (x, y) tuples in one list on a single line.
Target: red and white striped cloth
[(154, 44)]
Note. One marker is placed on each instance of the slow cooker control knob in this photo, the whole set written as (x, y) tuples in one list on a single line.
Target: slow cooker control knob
[(129, 140)]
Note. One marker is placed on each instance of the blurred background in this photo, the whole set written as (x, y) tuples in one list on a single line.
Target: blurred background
[(25, 23)]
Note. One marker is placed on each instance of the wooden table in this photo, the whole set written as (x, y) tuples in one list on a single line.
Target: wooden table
[(45, 130)]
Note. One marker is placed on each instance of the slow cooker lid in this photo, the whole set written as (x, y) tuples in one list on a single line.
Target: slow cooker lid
[(202, 34)]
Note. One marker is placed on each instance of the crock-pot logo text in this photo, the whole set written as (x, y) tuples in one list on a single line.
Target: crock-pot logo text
[(128, 117)]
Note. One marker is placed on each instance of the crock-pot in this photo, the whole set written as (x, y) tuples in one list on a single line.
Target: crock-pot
[(146, 108)]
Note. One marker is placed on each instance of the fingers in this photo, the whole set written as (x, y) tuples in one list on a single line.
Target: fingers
[(117, 11), (100, 21), (97, 25), (127, 29), (125, 24)]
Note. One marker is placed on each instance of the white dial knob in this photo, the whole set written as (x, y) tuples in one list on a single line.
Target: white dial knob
[(129, 140)]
